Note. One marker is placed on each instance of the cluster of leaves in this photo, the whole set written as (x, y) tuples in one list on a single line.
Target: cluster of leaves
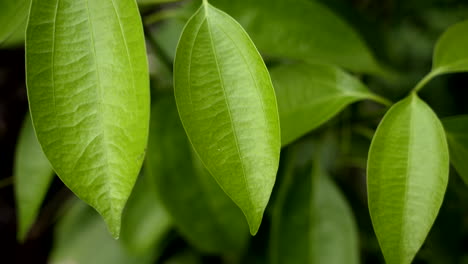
[(212, 145)]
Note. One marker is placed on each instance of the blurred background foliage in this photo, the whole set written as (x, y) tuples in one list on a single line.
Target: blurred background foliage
[(400, 33)]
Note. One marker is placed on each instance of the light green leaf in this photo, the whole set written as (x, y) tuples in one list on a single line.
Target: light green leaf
[(201, 211), (13, 19), (310, 94), (228, 108), (80, 237), (33, 175), (88, 89), (456, 129), (407, 174), (145, 221), (296, 29), (451, 54), (312, 222)]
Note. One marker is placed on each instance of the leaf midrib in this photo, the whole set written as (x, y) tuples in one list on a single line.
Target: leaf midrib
[(236, 141)]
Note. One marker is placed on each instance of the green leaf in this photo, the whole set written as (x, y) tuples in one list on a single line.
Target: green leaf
[(145, 221), (295, 29), (201, 211), (456, 129), (312, 222), (13, 18), (310, 94), (88, 89), (228, 108), (451, 54), (33, 175), (407, 174), (154, 2), (80, 237)]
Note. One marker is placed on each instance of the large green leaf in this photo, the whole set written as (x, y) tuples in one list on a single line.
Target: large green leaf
[(302, 30), (33, 174), (154, 2), (145, 221), (88, 89), (407, 174), (13, 19), (228, 108), (80, 237), (310, 94), (201, 211), (451, 54), (456, 129), (312, 222)]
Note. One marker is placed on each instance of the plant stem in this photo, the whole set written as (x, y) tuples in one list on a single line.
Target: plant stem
[(162, 15), (382, 100), (424, 81)]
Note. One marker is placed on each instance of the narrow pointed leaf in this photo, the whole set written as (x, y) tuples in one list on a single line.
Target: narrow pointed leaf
[(33, 175), (228, 108), (310, 94), (407, 174), (80, 237), (88, 90), (451, 54), (312, 222), (456, 129), (145, 221), (13, 19), (200, 210), (295, 29)]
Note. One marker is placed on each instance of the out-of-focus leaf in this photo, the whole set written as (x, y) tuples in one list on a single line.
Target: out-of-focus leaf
[(310, 94), (154, 2), (81, 237), (407, 175), (451, 54), (200, 210), (185, 257), (302, 30), (228, 108), (88, 90), (33, 175), (145, 221), (456, 129), (13, 19), (312, 222)]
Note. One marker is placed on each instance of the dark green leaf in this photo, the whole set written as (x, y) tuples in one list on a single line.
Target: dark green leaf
[(13, 19), (407, 174), (312, 222), (456, 129), (88, 90), (80, 237), (145, 221), (310, 94), (302, 30), (33, 175), (201, 211), (228, 108)]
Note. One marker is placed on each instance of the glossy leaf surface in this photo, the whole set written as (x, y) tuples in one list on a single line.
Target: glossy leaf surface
[(311, 94), (13, 19), (456, 129), (312, 222), (200, 210), (228, 108), (295, 29), (451, 54), (407, 174), (33, 175), (80, 237), (145, 221), (88, 89)]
